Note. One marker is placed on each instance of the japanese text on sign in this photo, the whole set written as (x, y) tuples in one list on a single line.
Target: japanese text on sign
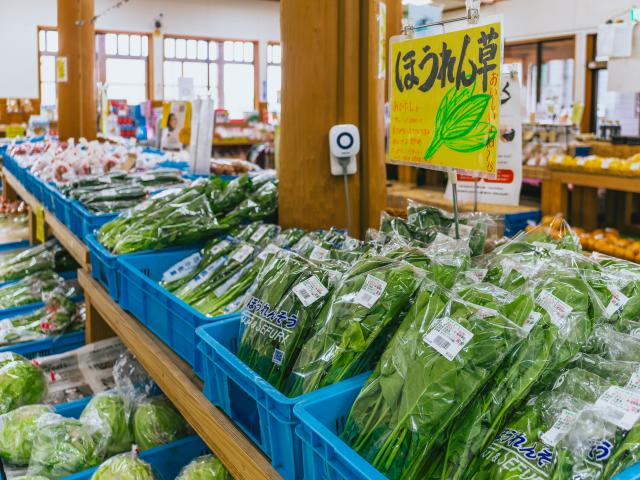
[(445, 99)]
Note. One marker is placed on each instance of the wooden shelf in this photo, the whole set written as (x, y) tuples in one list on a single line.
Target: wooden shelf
[(597, 180), (537, 173), (176, 379), (68, 240)]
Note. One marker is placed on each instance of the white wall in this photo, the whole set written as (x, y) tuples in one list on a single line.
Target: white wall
[(533, 19), (235, 19)]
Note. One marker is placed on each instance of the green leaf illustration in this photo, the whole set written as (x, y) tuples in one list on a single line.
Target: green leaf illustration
[(478, 138), (464, 119)]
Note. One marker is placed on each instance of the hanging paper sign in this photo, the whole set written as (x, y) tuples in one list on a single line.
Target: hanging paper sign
[(62, 70), (504, 189), (445, 99)]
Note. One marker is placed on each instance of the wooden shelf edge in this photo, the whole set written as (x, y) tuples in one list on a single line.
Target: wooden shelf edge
[(597, 180), (19, 189), (175, 378)]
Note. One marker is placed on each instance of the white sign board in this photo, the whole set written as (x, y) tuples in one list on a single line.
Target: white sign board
[(505, 188)]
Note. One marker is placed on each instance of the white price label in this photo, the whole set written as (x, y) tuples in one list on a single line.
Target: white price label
[(218, 247), (621, 406), (618, 301), (371, 291), (319, 254), (531, 321), (310, 290), (259, 233), (559, 428), (447, 337), (500, 294), (269, 249), (204, 275), (476, 274), (182, 268), (242, 253), (556, 308)]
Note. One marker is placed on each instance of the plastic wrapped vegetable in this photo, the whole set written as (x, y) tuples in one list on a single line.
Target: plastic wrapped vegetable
[(21, 382), (207, 467), (156, 422), (443, 353), (355, 323), (47, 256), (291, 290), (126, 466), (131, 379), (63, 446), (30, 289), (113, 411), (17, 429)]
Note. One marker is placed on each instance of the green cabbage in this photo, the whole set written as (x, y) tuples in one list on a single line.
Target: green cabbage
[(156, 422), (124, 467), (207, 467), (112, 411), (21, 382), (63, 446), (17, 429)]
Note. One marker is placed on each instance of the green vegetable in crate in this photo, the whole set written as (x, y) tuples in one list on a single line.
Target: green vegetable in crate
[(64, 446), (619, 298), (443, 353), (17, 429), (355, 323), (278, 317), (156, 422), (207, 467), (258, 233), (47, 256), (260, 205), (289, 237), (35, 288), (113, 411), (21, 382), (126, 466)]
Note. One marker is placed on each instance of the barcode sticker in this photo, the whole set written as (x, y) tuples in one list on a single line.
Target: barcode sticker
[(204, 275), (618, 301), (620, 406), (476, 274), (319, 254), (447, 337), (531, 321), (218, 247), (559, 428), (310, 290), (259, 233), (269, 249), (371, 291), (556, 308), (182, 268), (242, 253), (278, 356)]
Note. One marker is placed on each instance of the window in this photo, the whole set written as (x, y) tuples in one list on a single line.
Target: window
[(223, 69), (547, 72), (47, 50), (122, 63), (274, 76)]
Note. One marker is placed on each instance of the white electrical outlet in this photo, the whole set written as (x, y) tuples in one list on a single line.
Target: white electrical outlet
[(344, 145)]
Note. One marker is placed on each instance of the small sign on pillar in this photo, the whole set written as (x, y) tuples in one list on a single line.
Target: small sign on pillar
[(62, 70)]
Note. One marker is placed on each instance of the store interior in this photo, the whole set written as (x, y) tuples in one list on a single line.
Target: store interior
[(320, 240)]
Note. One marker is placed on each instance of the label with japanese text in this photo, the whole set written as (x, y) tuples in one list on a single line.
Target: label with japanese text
[(259, 233), (618, 301), (319, 254), (445, 99), (447, 337), (371, 291), (182, 268), (556, 308), (242, 253), (621, 406), (559, 428), (310, 290)]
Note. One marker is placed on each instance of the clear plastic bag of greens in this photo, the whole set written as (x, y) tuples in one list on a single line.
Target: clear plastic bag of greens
[(441, 356), (258, 233), (356, 323), (126, 466), (543, 239), (17, 429), (112, 411), (611, 344), (131, 379), (156, 422), (279, 317), (618, 300), (204, 467), (21, 382), (63, 446)]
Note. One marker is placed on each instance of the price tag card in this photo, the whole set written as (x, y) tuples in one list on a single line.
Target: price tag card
[(319, 254), (447, 337), (621, 406), (242, 253), (556, 308), (559, 428), (371, 291), (310, 290), (182, 268)]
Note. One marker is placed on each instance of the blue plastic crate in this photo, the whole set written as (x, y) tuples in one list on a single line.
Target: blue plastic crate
[(35, 186), (84, 222), (12, 166), (324, 455), (515, 222), (166, 460), (104, 266), (7, 247), (47, 346), (60, 206), (262, 412), (171, 319)]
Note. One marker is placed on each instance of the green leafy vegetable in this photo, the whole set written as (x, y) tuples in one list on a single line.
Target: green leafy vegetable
[(156, 422), (206, 467)]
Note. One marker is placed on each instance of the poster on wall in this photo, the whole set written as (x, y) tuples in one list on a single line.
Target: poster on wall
[(505, 188), (445, 99), (175, 125)]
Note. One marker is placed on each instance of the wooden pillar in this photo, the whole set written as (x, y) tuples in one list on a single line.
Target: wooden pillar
[(329, 59), (77, 95)]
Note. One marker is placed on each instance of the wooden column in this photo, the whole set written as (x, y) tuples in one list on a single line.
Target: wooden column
[(77, 95), (330, 76)]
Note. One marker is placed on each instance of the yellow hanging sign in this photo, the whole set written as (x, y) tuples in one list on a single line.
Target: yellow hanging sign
[(445, 100), (41, 235)]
